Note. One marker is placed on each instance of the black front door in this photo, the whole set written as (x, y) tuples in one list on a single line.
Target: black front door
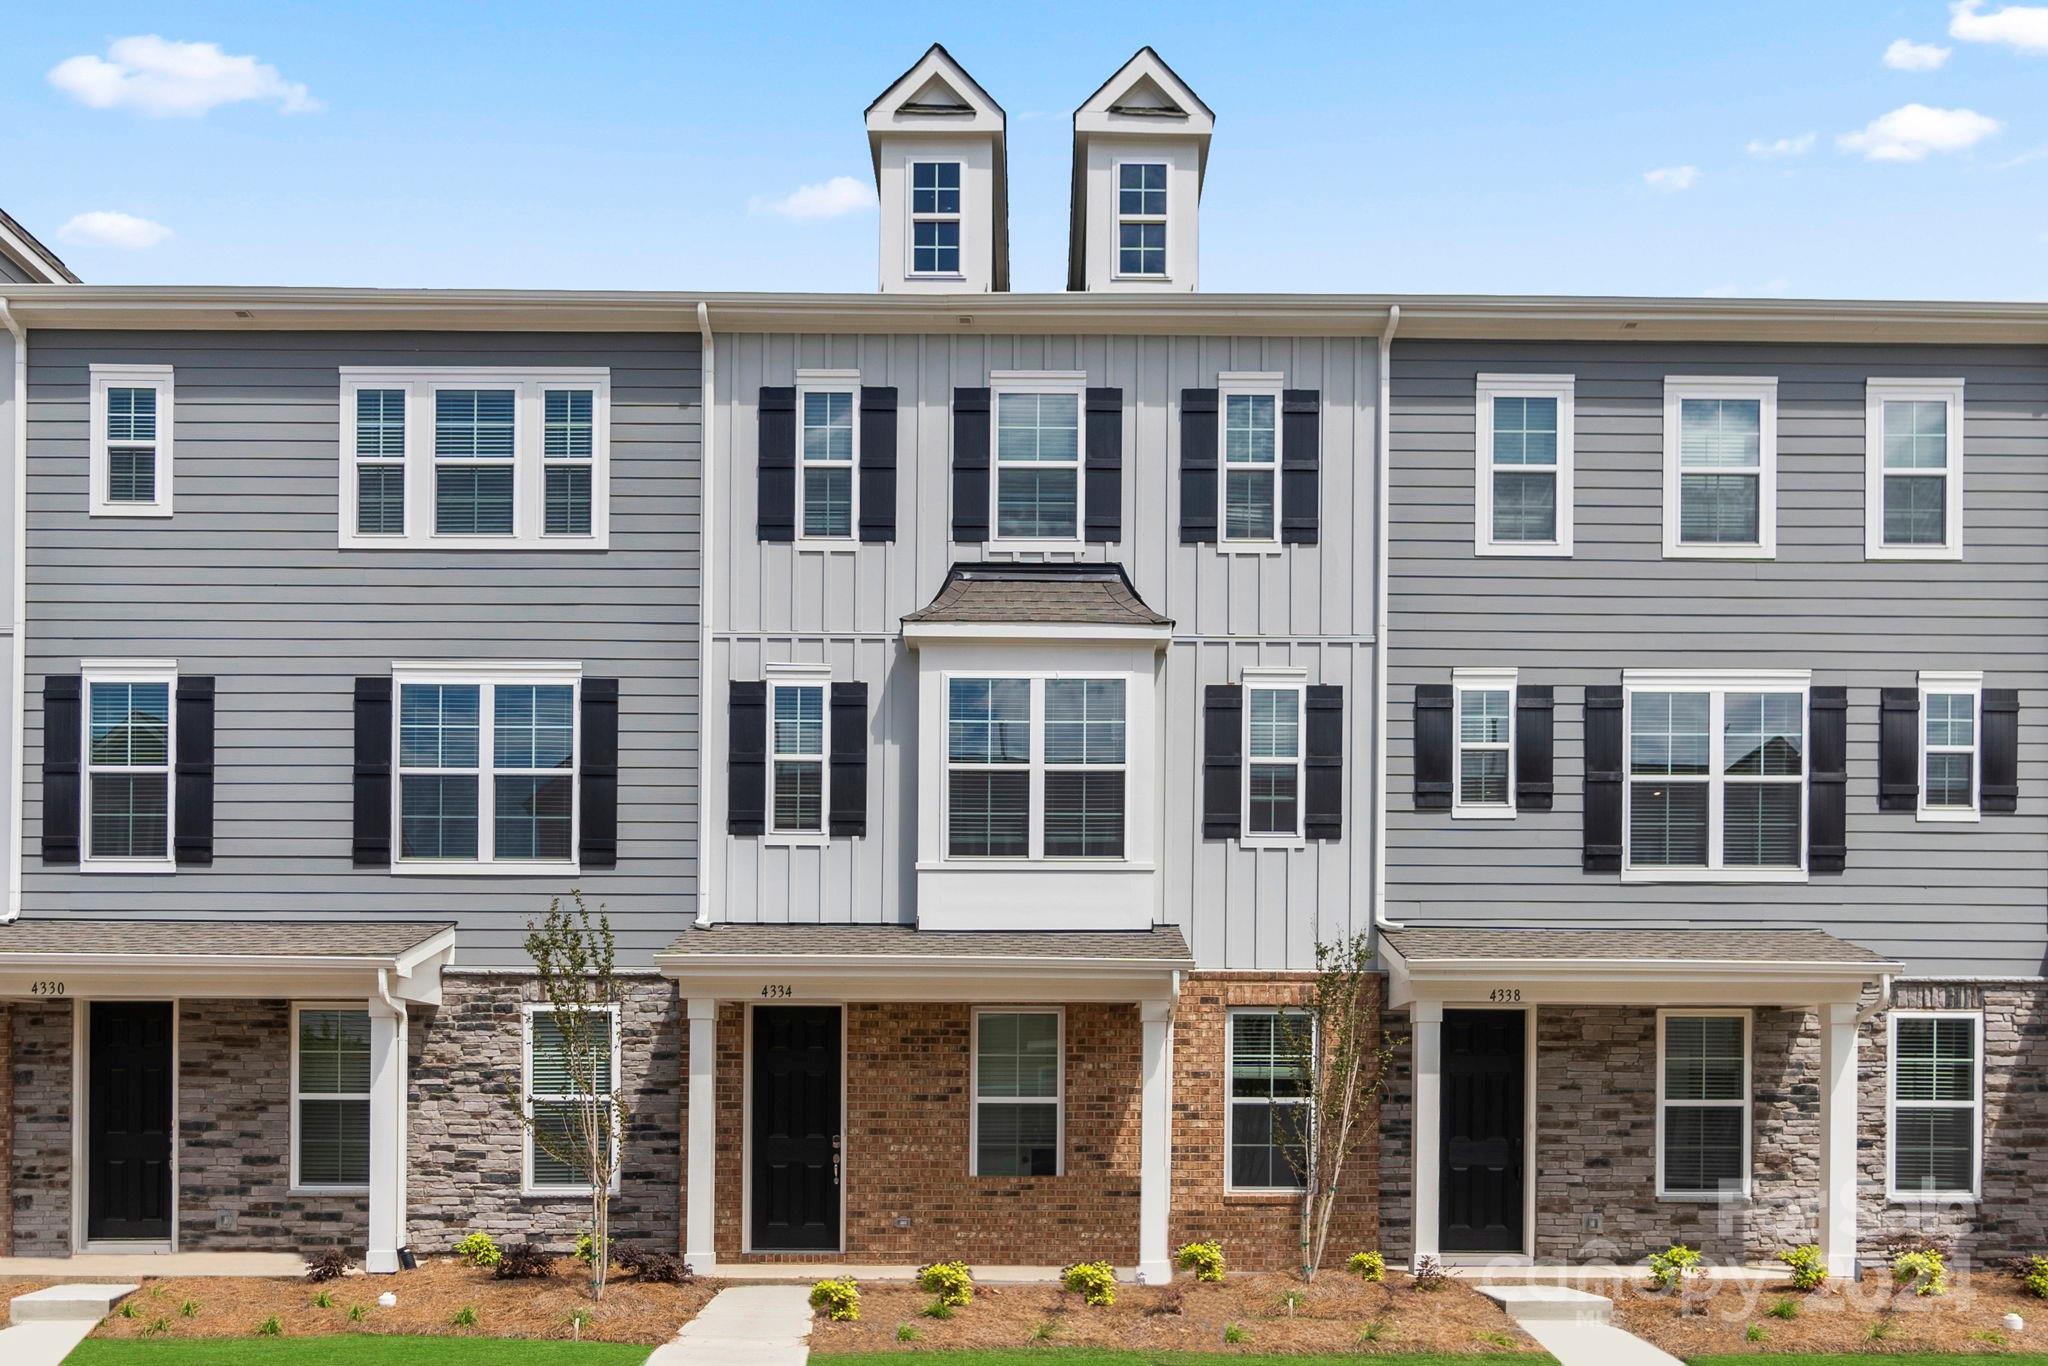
[(1482, 1130), (796, 1129), (128, 1138)]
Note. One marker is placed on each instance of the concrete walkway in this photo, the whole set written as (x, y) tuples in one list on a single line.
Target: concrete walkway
[(744, 1325), (48, 1323), (1573, 1326), (128, 1266)]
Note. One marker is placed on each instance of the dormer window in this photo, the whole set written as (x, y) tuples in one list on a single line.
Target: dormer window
[(935, 218), (1141, 218)]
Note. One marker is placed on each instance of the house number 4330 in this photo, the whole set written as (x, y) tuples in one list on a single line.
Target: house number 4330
[(46, 988)]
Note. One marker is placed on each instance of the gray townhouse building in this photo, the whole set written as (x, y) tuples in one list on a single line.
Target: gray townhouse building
[(973, 709)]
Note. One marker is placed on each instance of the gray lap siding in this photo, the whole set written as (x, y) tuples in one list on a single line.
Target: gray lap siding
[(247, 583)]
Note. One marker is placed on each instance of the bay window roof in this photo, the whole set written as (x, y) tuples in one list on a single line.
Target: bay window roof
[(1025, 594)]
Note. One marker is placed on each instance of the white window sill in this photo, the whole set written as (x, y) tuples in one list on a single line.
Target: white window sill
[(1525, 550), (558, 1192), (128, 867), (1914, 554), (328, 1190), (475, 543), (1273, 841), (1025, 865), (1250, 548), (1265, 1192), (1950, 816), (998, 547), (1142, 279), (1703, 1197), (1720, 552), (502, 868), (934, 275), (130, 510), (825, 545), (796, 839), (1482, 813), (1726, 875), (1929, 1198)]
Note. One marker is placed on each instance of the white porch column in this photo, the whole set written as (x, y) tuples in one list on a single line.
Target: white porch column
[(1838, 1138), (387, 1136), (1427, 1020), (1155, 1143), (700, 1241)]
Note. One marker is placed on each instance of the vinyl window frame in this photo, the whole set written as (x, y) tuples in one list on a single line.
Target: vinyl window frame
[(1036, 767), (1240, 384), (958, 218), (1877, 392), (1231, 1102), (1295, 681), (1764, 390), (96, 671), (1718, 685), (829, 382), (977, 1100), (1892, 1106), (787, 677), (527, 1185), (1475, 681), (1488, 388), (298, 1186), (1001, 382), (99, 458), (1953, 683), (1746, 1104), (529, 461), (1164, 220), (486, 678)]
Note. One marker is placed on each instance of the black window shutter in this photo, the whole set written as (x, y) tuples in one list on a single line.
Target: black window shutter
[(1104, 466), (1432, 747), (1199, 456), (1301, 412), (2001, 782), (1535, 743), (1323, 801), (1898, 750), (62, 728), (970, 466), (746, 758), (849, 759), (878, 464), (775, 464), (373, 773), (1827, 762), (1602, 821), (597, 845), (1222, 761), (192, 828)]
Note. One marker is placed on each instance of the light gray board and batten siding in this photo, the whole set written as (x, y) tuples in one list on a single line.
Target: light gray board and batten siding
[(1308, 606), (1951, 899), (246, 583)]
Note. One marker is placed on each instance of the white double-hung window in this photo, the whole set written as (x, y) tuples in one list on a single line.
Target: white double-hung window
[(475, 458), (1702, 1104), (1716, 787), (1250, 433), (1035, 767), (129, 447), (828, 454), (566, 1111), (1936, 1104), (1913, 487), (797, 708), (1524, 437), (1273, 700), (129, 741), (1018, 1093), (1485, 734), (1271, 1100), (1720, 467), (1141, 220), (1951, 703), (330, 1097), (935, 218), (1037, 484)]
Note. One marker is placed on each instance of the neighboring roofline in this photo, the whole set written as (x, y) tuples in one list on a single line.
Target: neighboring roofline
[(1120, 71), (939, 48), (20, 246), (257, 308)]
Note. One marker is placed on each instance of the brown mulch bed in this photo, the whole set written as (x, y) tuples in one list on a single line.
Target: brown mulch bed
[(428, 1301), (1837, 1318), (1187, 1316)]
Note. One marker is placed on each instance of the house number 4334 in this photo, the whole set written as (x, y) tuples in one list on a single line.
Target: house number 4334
[(775, 990)]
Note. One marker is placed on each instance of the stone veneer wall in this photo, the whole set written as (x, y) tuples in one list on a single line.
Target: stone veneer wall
[(1258, 1232), (6, 1129), (40, 1125), (466, 1143), (907, 1115)]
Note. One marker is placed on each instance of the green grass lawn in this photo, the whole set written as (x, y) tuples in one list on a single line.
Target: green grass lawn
[(356, 1349)]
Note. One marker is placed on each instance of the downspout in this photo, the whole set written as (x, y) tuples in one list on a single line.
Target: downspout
[(1877, 1007), (18, 702), (1382, 629), (710, 841)]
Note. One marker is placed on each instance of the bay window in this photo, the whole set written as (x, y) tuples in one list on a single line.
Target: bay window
[(1050, 747), (1716, 777)]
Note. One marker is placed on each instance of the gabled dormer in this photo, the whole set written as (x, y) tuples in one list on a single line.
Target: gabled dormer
[(942, 171), (1141, 148)]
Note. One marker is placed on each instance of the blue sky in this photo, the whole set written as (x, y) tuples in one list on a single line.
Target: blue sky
[(1728, 148)]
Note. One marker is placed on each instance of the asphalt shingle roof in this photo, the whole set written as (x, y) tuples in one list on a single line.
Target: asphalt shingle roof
[(1042, 594), (220, 938), (1426, 944), (1160, 944)]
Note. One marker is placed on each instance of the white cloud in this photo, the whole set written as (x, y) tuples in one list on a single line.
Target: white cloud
[(1907, 55), (167, 79), (105, 228), (834, 198), (1672, 179), (2021, 26), (1912, 131), (1782, 147)]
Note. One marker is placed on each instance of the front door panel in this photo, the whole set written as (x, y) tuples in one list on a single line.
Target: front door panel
[(128, 1136), (796, 1138), (1483, 1127)]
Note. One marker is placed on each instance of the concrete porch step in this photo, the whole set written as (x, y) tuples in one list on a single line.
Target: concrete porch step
[(1549, 1303), (76, 1303)]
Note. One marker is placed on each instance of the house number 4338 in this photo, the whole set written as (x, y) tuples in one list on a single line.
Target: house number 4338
[(1505, 995)]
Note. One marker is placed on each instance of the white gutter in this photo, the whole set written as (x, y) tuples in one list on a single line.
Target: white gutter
[(710, 841), (1383, 632), (1877, 1007), (18, 615)]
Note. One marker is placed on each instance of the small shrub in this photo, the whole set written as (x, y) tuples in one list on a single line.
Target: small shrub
[(2033, 1276), (357, 1313), (1370, 1267), (1044, 1331), (1289, 1301), (156, 1327), (907, 1332), (479, 1249), (189, 1309), (465, 1317), (1493, 1339), (1880, 1330), (1094, 1282), (1990, 1337), (655, 1267), (579, 1319), (1233, 1334), (1809, 1268), (952, 1282), (1372, 1332), (1754, 1333), (270, 1327), (586, 1248), (840, 1300), (522, 1262), (324, 1300), (128, 1310), (1672, 1266), (1430, 1275), (938, 1309), (330, 1264), (1923, 1272), (1784, 1309), (1204, 1259)]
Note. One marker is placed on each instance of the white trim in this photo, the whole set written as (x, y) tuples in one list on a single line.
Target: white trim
[(1164, 221), (1489, 387), (1892, 1106), (299, 1187), (81, 1126), (911, 217), (975, 1100), (1953, 682), (1481, 680), (1294, 680), (1231, 385), (1762, 389), (528, 460), (847, 382), (1230, 1101), (527, 1186), (796, 678), (1746, 1015), (1001, 382), (93, 672), (1037, 768), (1877, 390), (160, 379)]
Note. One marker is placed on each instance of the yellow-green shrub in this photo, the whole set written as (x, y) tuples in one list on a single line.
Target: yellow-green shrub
[(1204, 1259), (1809, 1268), (1369, 1267), (1671, 1266), (952, 1282), (1094, 1282), (2034, 1276), (1923, 1270), (479, 1249), (840, 1300)]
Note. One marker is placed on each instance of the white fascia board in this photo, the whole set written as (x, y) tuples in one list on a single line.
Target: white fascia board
[(870, 978), (917, 633)]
